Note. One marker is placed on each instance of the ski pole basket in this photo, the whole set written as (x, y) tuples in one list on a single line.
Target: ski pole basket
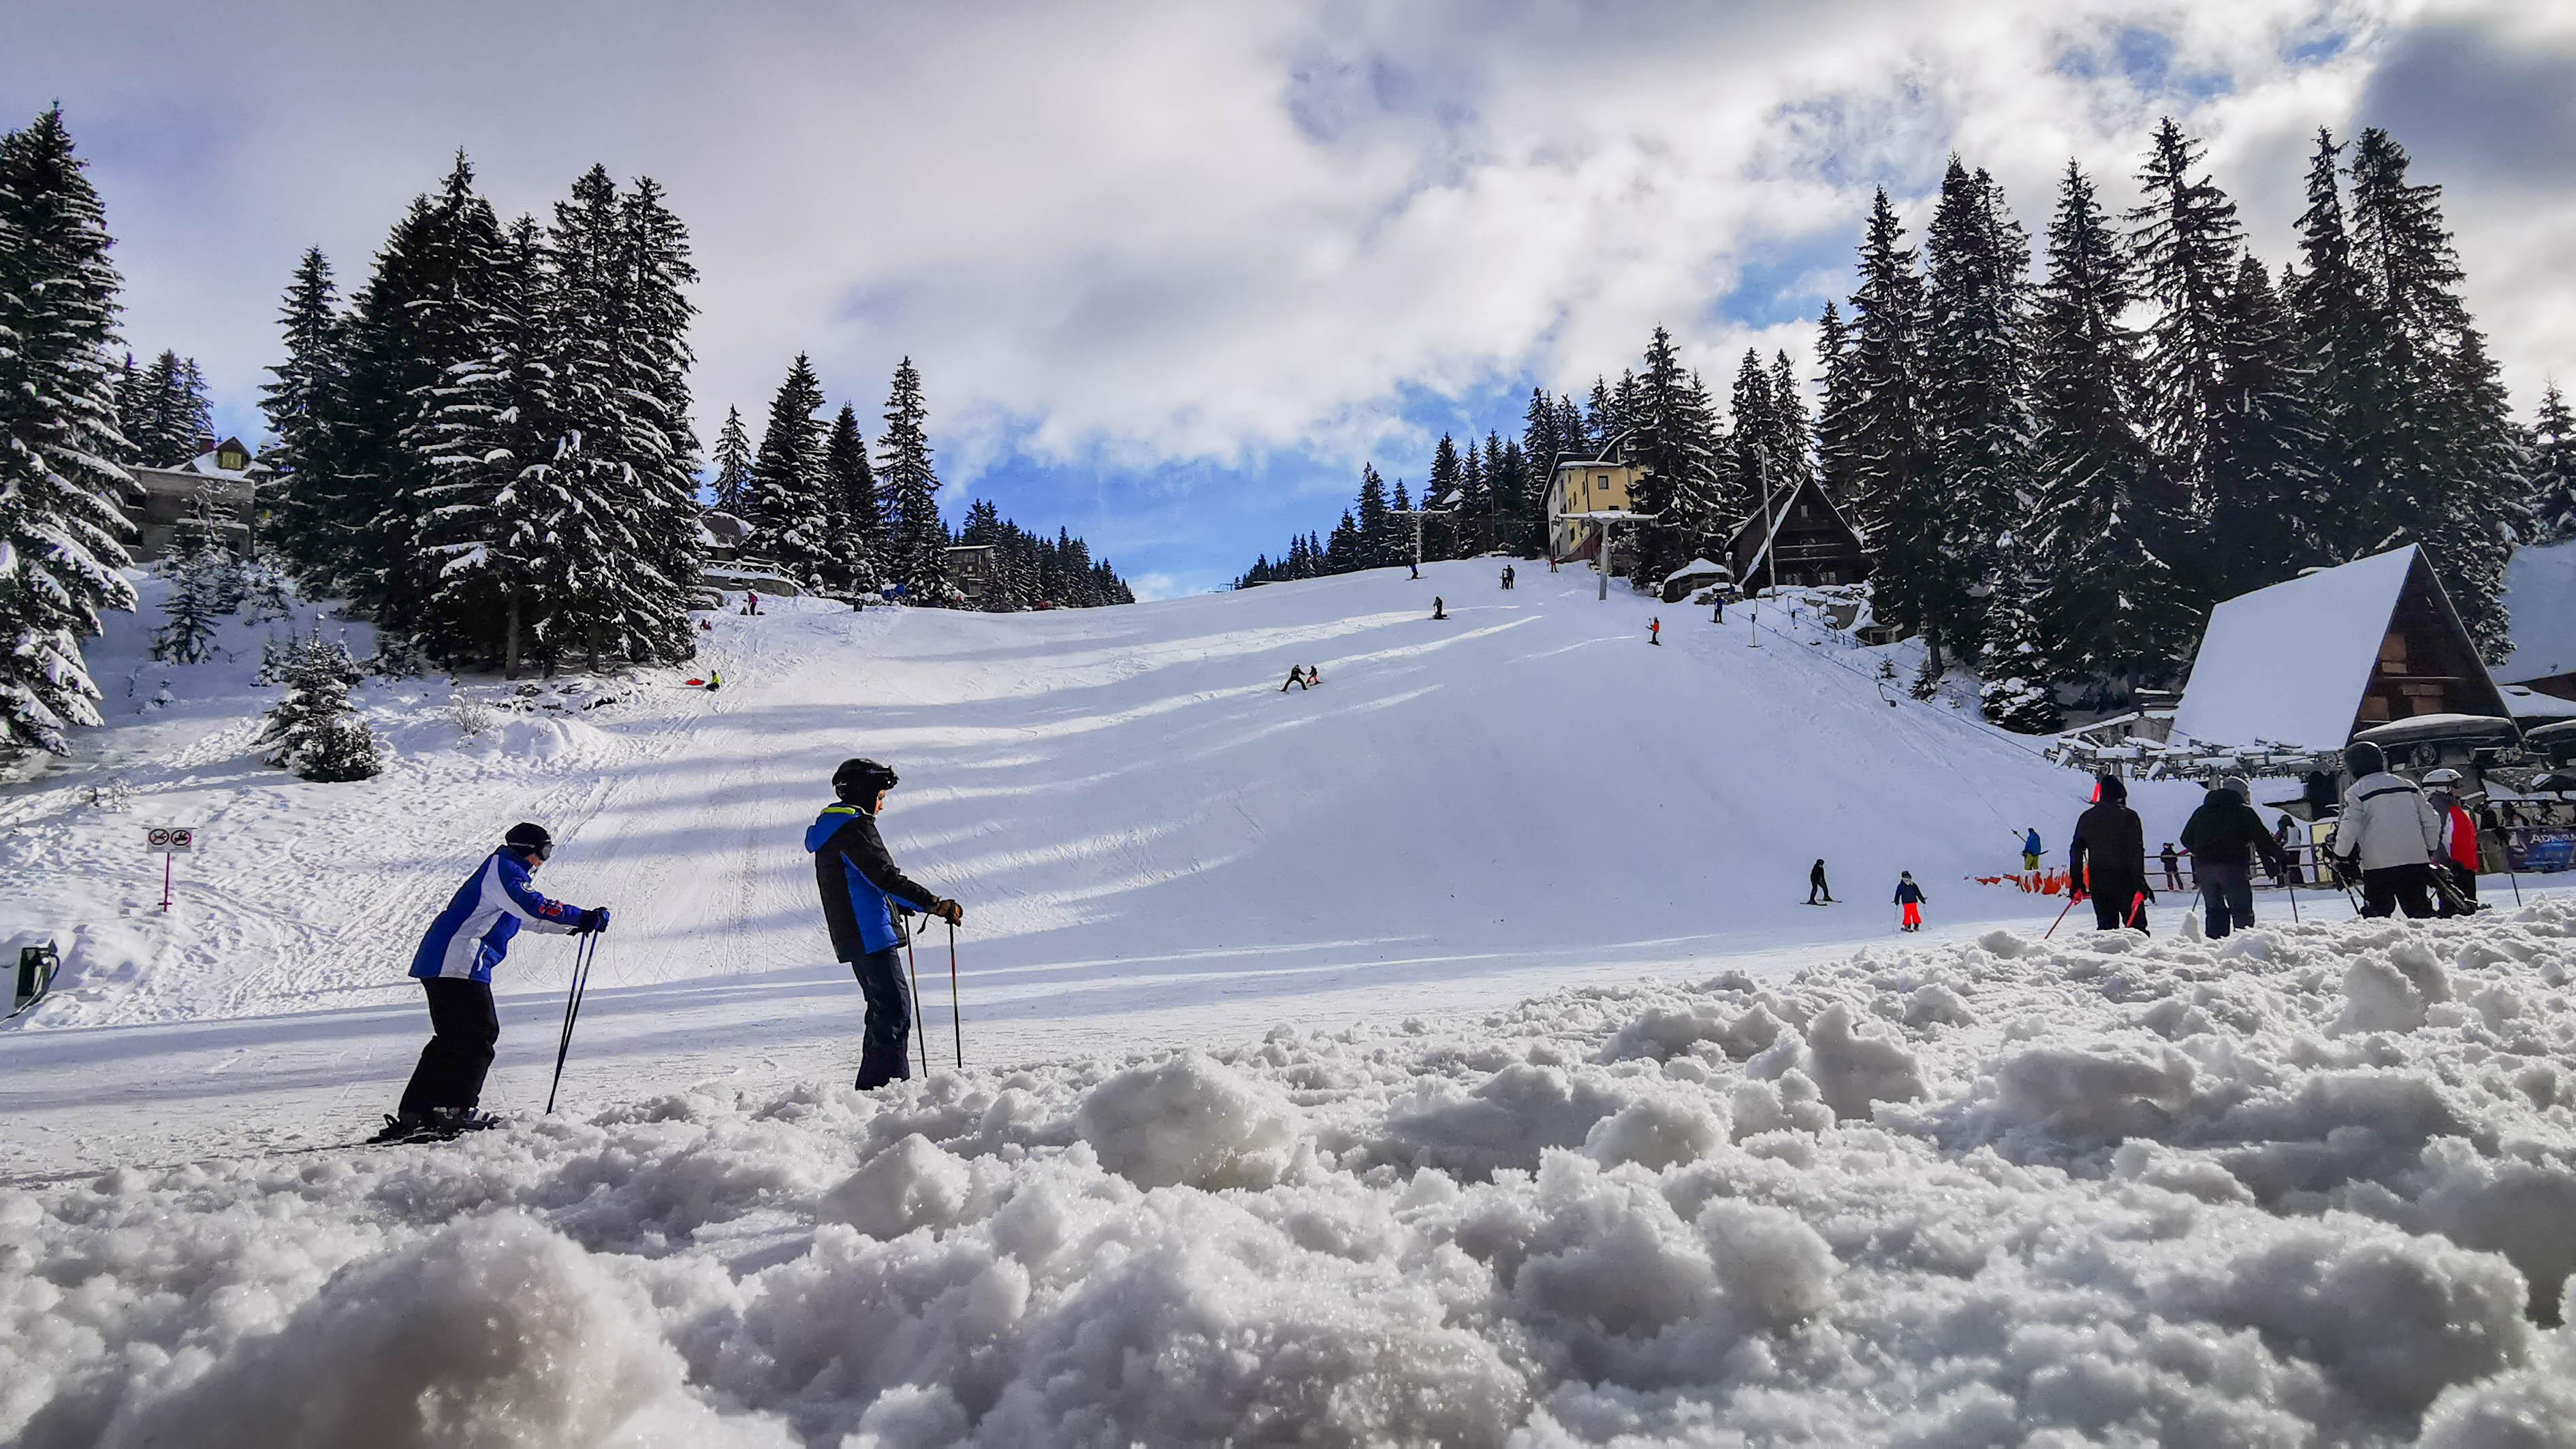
[(36, 968)]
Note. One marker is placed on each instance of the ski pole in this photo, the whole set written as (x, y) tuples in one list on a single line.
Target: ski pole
[(918, 1040), (2061, 915), (583, 954), (956, 1016), (2292, 887)]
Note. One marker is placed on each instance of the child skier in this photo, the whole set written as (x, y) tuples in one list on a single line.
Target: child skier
[(1655, 631), (454, 967), (861, 891), (1439, 607), (1910, 896)]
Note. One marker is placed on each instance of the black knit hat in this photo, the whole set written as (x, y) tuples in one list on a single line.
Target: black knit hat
[(531, 838), (2111, 788), (858, 781)]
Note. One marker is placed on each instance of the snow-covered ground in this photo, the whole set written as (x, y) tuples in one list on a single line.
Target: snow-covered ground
[(1441, 1055)]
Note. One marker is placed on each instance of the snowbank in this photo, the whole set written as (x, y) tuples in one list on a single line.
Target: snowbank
[(2310, 1183)]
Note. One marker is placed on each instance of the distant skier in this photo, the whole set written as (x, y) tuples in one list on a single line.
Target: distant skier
[(2030, 850), (2172, 859), (2107, 858), (2390, 832), (1416, 566), (1314, 676), (1508, 577), (1816, 885), (2459, 855), (2223, 835), (1911, 897), (1297, 677), (454, 967), (1439, 607), (1720, 616), (1655, 631), (2286, 836), (715, 681), (751, 601), (862, 890)]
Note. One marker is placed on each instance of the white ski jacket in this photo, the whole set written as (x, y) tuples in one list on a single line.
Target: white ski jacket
[(2386, 822)]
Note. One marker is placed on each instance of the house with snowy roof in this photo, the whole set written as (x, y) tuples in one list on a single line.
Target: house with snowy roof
[(222, 483), (2540, 598), (1582, 495), (2310, 662)]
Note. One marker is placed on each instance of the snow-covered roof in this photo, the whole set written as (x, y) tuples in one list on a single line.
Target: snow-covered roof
[(204, 463), (2540, 594), (2287, 665), (2527, 703), (1698, 568)]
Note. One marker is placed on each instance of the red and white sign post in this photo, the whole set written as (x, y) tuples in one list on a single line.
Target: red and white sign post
[(167, 841)]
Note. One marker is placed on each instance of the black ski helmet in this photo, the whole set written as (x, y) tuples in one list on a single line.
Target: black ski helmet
[(858, 781), (2111, 788), (2361, 757), (531, 838)]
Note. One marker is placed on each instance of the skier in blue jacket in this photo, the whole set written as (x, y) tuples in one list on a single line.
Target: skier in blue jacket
[(863, 892), (454, 966)]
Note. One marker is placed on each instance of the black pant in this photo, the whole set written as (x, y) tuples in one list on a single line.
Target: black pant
[(2226, 896), (2407, 888), (462, 1027), (2111, 912), (2464, 887), (1815, 887), (886, 1051)]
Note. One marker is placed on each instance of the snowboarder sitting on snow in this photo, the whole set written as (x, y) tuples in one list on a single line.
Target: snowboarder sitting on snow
[(2222, 836), (454, 965), (715, 681), (2030, 850), (1297, 677), (2107, 858), (1816, 885), (2390, 832), (862, 891), (1910, 896), (1439, 607)]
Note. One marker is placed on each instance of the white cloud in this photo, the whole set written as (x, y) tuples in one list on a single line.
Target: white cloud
[(1141, 234)]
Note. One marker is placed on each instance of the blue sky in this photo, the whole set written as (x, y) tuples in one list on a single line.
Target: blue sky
[(1172, 271)]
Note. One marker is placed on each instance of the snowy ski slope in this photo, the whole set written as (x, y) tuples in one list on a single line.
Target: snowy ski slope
[(1154, 843)]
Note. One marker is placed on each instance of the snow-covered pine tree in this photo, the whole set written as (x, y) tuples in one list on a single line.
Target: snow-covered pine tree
[(1448, 475), (1472, 531), (2345, 386), (790, 517), (850, 488), (2185, 245), (1602, 424), (2446, 469), (300, 404), (488, 512), (2263, 491), (2552, 468), (1836, 451), (733, 465), (1672, 436), (1793, 434), (917, 537), (164, 413), (659, 443), (2097, 601), (314, 730), (1376, 543), (61, 534), (1976, 399), (1891, 466)]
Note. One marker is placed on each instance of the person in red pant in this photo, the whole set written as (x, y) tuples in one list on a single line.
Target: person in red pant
[(1910, 896)]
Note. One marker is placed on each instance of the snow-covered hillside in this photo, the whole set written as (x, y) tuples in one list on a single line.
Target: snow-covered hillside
[(1154, 842)]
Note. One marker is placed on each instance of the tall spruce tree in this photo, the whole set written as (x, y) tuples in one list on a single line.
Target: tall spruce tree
[(918, 538), (1792, 431), (2553, 468), (1892, 467), (61, 534), (1673, 439), (659, 444), (300, 403), (733, 465), (790, 514), (850, 488), (1837, 451), (1976, 400), (2185, 245), (486, 525), (2344, 385), (164, 413), (2262, 488), (1376, 545)]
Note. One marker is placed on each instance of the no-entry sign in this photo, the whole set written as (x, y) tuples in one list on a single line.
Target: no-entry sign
[(169, 839)]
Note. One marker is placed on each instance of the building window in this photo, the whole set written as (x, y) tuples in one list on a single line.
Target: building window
[(231, 461)]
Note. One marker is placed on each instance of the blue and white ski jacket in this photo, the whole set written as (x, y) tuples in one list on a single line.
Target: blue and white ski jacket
[(471, 936), (859, 883)]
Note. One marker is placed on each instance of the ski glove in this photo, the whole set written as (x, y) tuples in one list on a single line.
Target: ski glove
[(593, 921), (949, 911)]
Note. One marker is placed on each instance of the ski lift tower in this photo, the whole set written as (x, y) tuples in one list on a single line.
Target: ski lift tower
[(1608, 520), (1419, 514)]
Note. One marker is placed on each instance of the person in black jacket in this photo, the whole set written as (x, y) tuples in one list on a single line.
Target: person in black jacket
[(2223, 836), (2107, 859), (862, 893)]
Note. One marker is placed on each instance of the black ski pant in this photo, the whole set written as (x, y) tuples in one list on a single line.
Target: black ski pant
[(2226, 896), (1816, 888), (885, 1052), (2464, 886), (463, 1026), (2407, 888), (2122, 908)]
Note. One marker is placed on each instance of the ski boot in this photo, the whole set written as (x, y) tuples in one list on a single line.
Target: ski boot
[(447, 1123), (405, 1128)]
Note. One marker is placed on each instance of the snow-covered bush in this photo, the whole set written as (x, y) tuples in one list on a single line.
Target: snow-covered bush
[(197, 602), (471, 716), (314, 730), (2023, 706)]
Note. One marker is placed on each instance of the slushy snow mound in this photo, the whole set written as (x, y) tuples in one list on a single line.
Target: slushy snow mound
[(2309, 1184)]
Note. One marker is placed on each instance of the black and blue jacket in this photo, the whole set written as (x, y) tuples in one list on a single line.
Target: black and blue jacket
[(859, 883)]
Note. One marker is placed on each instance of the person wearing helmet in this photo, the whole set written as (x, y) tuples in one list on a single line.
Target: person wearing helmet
[(454, 967), (2390, 833), (2458, 857), (2223, 836), (863, 898), (2106, 858)]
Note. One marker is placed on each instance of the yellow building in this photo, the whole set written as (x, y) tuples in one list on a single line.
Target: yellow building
[(1580, 486)]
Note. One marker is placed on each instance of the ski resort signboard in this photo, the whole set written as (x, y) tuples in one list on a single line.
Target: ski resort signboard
[(167, 842)]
